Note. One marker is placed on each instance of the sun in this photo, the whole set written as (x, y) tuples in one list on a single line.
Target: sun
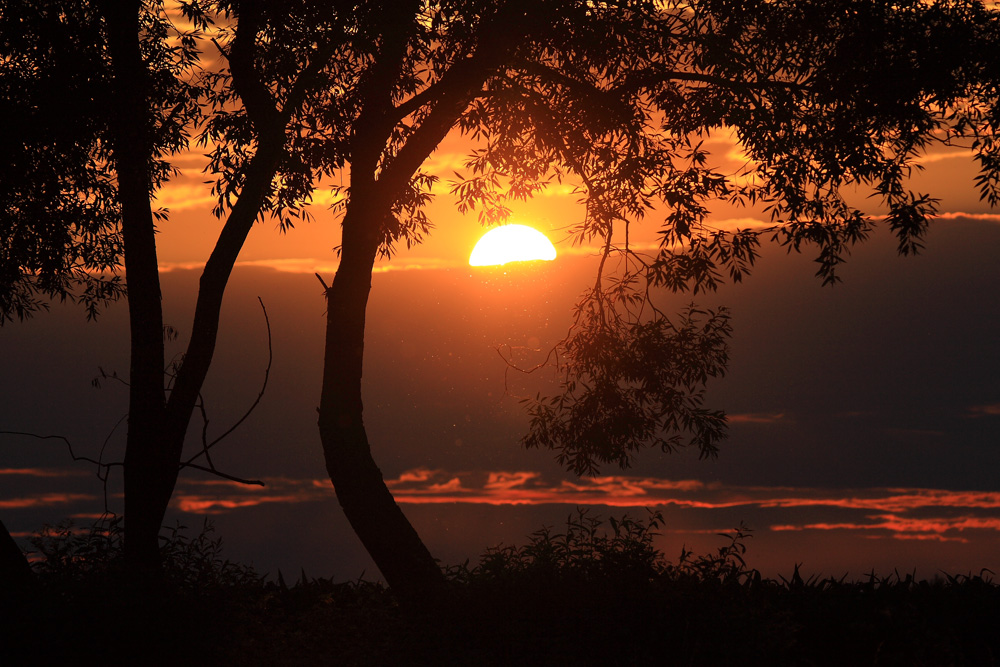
[(511, 243)]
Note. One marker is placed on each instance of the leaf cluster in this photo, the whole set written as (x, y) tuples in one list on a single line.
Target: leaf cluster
[(60, 230), (631, 382)]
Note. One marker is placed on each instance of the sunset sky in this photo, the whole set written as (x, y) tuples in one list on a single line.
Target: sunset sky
[(865, 418)]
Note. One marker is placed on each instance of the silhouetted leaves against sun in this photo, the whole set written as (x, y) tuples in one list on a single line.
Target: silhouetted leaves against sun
[(627, 382)]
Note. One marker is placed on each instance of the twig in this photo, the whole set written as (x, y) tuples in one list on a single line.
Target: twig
[(103, 469), (219, 473), (206, 446)]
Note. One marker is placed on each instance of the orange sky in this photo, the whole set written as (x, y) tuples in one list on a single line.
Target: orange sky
[(186, 239)]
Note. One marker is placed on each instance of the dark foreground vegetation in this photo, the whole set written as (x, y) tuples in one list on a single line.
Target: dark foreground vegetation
[(594, 593)]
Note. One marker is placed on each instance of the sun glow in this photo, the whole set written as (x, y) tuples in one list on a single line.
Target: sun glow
[(511, 243)]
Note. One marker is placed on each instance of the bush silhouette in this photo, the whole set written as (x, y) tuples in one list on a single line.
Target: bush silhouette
[(594, 592)]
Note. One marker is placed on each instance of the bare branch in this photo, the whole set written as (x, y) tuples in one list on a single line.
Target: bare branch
[(103, 468), (218, 473), (206, 446)]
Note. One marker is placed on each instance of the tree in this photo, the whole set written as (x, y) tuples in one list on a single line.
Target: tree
[(616, 95), (77, 193)]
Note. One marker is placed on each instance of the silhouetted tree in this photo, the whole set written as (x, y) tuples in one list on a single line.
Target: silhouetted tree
[(616, 96), (100, 96)]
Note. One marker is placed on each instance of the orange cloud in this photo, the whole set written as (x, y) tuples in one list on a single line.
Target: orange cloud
[(900, 513), (42, 472), (509, 480), (215, 496), (416, 475), (328, 265), (909, 528), (991, 410), (205, 505), (44, 500), (893, 500), (954, 215), (423, 485)]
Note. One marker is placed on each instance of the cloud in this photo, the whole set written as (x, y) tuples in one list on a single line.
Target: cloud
[(179, 197), (419, 264), (732, 224), (216, 505), (960, 215), (44, 500), (900, 513), (424, 485), (445, 163), (219, 496), (908, 528), (990, 410), (42, 472), (323, 266), (888, 499), (951, 154)]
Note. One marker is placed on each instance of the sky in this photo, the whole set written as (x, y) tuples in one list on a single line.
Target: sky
[(865, 417)]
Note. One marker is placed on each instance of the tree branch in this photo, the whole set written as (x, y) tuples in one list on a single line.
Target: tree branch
[(103, 469), (257, 99), (458, 87), (206, 446), (217, 473)]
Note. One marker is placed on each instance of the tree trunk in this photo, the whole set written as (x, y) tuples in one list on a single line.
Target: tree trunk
[(157, 427), (147, 471), (386, 533)]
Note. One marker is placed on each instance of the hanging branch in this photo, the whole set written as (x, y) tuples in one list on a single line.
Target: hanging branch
[(205, 444), (103, 468)]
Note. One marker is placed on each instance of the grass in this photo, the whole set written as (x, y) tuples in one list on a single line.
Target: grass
[(595, 592)]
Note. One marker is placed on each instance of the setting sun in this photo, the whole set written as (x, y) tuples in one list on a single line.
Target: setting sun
[(511, 243)]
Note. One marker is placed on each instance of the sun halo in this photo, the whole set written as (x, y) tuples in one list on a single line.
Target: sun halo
[(511, 243)]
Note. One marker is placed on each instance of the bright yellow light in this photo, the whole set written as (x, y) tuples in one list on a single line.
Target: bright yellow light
[(511, 243)]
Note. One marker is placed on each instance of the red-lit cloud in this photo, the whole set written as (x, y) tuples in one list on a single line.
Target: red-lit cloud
[(901, 513), (218, 496), (991, 410), (216, 505), (909, 528), (43, 500), (42, 472)]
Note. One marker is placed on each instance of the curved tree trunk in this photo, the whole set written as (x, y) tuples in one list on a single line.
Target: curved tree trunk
[(386, 533)]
